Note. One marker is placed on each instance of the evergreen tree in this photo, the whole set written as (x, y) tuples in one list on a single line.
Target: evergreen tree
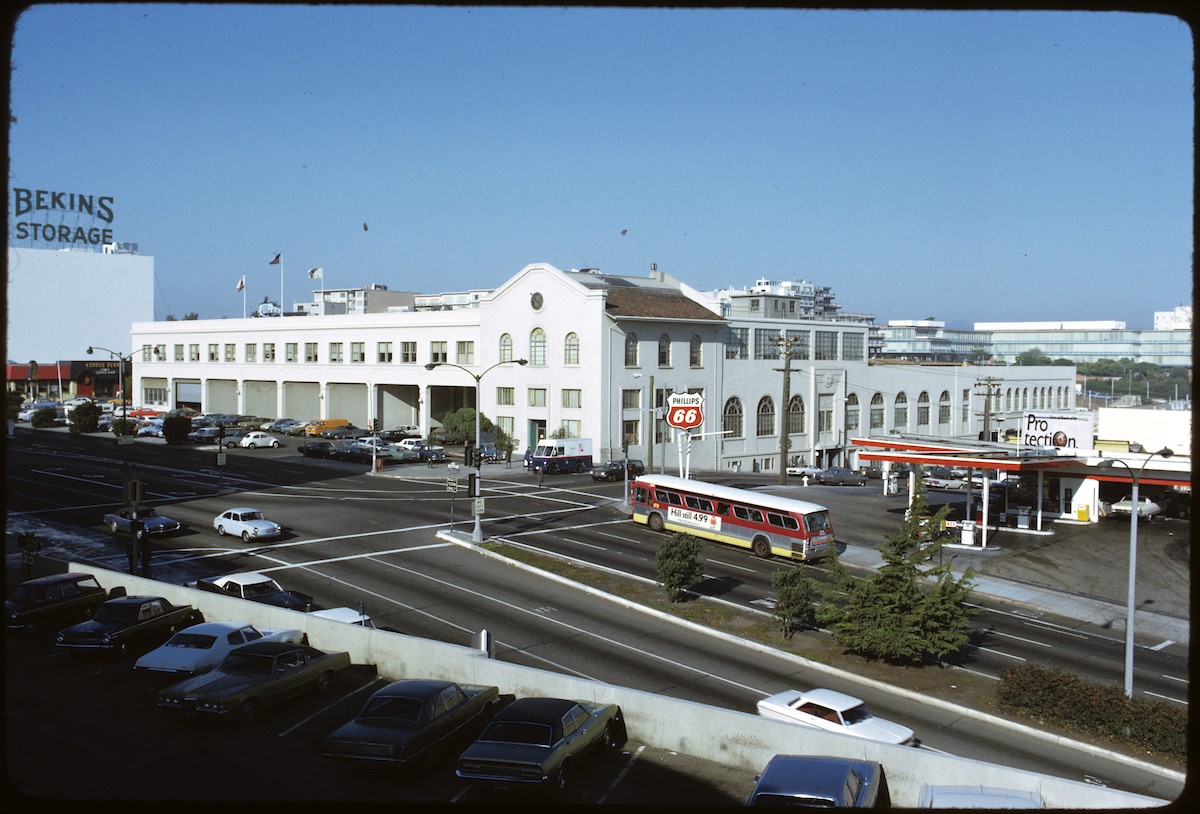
[(678, 565), (891, 615), (795, 605)]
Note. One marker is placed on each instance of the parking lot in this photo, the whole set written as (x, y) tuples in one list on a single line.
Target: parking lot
[(87, 727)]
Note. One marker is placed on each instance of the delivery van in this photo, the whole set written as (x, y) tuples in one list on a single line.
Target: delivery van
[(318, 427)]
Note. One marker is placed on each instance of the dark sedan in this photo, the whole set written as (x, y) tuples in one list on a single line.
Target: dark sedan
[(346, 432), (153, 523), (318, 449), (533, 741), (410, 721), (840, 476), (816, 781), (51, 602), (615, 470), (125, 622)]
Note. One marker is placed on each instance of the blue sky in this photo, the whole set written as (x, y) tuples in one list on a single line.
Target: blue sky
[(969, 166)]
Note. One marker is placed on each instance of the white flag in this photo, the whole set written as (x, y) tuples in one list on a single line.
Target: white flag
[(316, 273), (242, 283)]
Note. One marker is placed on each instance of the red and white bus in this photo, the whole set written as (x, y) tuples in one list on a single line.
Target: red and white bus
[(763, 522)]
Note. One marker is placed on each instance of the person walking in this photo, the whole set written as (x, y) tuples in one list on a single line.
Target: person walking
[(528, 459), (541, 473)]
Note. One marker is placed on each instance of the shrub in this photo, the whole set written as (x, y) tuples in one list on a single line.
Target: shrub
[(84, 418), (44, 417), (176, 429), (678, 566)]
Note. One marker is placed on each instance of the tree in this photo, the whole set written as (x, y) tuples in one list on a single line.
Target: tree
[(1033, 356), (461, 424), (176, 429), (890, 615), (84, 418), (794, 599), (561, 432), (678, 565)]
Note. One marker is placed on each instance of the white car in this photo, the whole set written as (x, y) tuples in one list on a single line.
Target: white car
[(833, 712), (249, 524), (801, 471), (347, 615), (1146, 508), (199, 648), (256, 439)]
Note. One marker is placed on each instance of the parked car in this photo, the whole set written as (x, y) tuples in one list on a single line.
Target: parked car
[(201, 647), (344, 432), (408, 721), (801, 471), (1146, 508), (252, 676), (255, 587), (279, 424), (538, 740), (400, 433), (350, 451), (249, 524), (50, 602), (961, 797), (205, 435), (817, 781), (426, 451), (153, 429), (840, 476), (153, 523), (121, 624), (296, 429), (349, 616), (252, 422), (27, 413), (256, 439), (833, 712), (615, 470), (317, 449), (233, 436)]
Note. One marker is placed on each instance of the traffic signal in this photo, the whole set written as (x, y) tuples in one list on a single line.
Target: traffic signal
[(133, 492), (472, 485)]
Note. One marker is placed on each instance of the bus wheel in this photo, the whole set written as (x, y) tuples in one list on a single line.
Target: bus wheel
[(761, 547), (655, 521)]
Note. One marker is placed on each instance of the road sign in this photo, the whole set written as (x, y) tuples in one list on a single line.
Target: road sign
[(451, 484), (685, 411), (479, 506)]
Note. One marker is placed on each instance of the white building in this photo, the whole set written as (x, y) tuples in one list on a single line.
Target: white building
[(602, 351), (1179, 319)]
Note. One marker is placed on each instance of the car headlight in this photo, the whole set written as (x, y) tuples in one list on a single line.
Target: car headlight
[(106, 638), (61, 637)]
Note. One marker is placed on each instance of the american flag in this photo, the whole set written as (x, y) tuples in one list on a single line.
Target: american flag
[(242, 283), (275, 260)]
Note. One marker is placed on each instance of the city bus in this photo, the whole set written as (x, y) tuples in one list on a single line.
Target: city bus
[(763, 522)]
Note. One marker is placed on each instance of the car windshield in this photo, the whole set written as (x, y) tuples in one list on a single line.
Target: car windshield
[(117, 613), (856, 715), (247, 664), (261, 589), (192, 641), (517, 732), (407, 710)]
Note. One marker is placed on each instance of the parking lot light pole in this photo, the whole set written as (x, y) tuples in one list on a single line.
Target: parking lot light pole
[(477, 533), (122, 359), (1134, 517)]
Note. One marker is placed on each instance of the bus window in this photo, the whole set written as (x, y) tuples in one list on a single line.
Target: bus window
[(698, 504), (745, 513), (639, 494), (817, 521), (722, 508), (783, 521)]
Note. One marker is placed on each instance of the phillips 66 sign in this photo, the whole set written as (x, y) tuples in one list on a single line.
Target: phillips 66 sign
[(685, 411)]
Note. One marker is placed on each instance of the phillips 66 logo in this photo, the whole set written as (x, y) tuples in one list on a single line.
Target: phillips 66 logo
[(685, 411)]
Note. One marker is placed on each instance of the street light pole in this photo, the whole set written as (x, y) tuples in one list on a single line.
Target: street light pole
[(1134, 517), (477, 533), (121, 359)]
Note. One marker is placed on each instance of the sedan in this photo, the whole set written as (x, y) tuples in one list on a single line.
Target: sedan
[(840, 476), (249, 524), (296, 428), (200, 648), (52, 601), (408, 721), (535, 741), (616, 470), (803, 471), (205, 435), (318, 449), (256, 439), (818, 781), (121, 623), (153, 523), (1146, 508), (252, 676), (833, 712)]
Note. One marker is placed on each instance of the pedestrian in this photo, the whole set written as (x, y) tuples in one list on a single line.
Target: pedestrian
[(541, 473), (528, 459), (145, 544)]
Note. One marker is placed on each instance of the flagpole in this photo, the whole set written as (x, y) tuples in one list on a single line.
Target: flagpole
[(243, 296), (281, 287)]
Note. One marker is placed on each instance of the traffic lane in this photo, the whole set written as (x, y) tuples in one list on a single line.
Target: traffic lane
[(278, 756)]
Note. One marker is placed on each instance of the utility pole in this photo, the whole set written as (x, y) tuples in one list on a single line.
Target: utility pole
[(785, 347), (990, 385)]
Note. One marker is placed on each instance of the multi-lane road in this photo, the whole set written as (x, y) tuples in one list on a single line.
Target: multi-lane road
[(352, 537)]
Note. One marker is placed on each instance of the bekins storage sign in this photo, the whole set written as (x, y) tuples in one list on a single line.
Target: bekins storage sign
[(1069, 430)]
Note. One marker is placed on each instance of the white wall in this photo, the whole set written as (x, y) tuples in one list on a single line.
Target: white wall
[(1153, 429)]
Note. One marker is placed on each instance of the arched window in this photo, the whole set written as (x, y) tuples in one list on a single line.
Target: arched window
[(664, 351), (765, 424), (944, 407), (923, 409), (631, 350), (695, 358), (571, 349), (900, 413), (731, 418), (1025, 398), (877, 410), (852, 412), (537, 347), (1008, 402), (796, 416), (506, 347)]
